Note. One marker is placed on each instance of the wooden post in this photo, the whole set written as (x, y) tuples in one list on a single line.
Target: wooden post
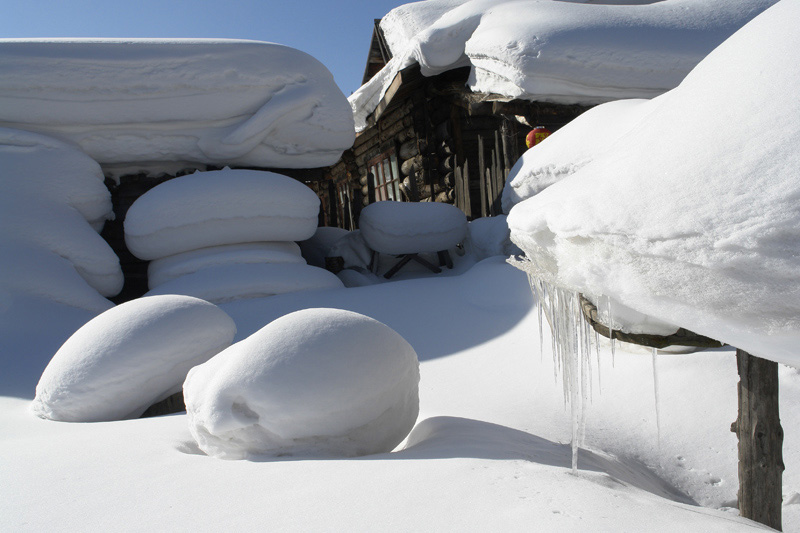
[(483, 177), (760, 434)]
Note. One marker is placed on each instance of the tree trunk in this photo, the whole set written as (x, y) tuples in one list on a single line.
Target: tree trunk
[(758, 428)]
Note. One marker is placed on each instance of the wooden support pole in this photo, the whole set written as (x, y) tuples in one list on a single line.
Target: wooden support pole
[(760, 434), (483, 177)]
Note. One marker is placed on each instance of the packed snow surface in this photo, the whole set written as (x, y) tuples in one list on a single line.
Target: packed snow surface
[(563, 52), (144, 101), (567, 150), (130, 357), (168, 268), (695, 224), (229, 206), (228, 282), (316, 382), (47, 168), (410, 227)]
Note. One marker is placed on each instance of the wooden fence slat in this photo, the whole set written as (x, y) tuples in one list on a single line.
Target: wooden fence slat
[(482, 175)]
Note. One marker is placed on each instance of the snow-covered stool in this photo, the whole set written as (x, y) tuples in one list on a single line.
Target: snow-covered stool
[(407, 229)]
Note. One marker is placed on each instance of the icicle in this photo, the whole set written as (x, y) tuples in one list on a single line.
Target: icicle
[(655, 392)]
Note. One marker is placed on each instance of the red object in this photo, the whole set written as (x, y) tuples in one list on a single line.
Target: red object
[(537, 135)]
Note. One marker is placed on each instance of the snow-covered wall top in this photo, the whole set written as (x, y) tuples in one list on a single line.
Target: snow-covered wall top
[(695, 224), (221, 102), (563, 52)]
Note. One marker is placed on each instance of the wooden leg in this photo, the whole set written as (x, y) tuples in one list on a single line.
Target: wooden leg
[(400, 264), (445, 259), (760, 440), (427, 264)]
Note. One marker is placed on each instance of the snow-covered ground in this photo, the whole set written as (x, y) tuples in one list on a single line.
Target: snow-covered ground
[(489, 451)]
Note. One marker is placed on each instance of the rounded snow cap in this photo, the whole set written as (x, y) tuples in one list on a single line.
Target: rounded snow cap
[(316, 382)]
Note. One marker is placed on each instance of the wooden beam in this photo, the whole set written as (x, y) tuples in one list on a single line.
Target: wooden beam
[(760, 434)]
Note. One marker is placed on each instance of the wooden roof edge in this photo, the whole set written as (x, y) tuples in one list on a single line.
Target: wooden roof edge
[(377, 42)]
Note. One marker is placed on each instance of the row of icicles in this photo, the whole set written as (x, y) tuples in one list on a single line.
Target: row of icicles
[(571, 344)]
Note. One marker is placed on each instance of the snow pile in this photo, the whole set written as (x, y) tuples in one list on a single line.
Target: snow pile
[(168, 268), (568, 149), (148, 102), (489, 236), (694, 224), (130, 357), (556, 51), (225, 235), (225, 283), (52, 204), (221, 207), (408, 227), (317, 382), (316, 249)]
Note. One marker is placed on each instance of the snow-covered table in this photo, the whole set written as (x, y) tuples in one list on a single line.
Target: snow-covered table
[(407, 229)]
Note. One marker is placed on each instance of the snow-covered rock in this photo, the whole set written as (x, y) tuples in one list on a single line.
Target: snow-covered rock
[(411, 227), (47, 168), (227, 282), (226, 206), (315, 249), (61, 229), (316, 382), (145, 101), (695, 223), (130, 357), (556, 51), (168, 268), (567, 150)]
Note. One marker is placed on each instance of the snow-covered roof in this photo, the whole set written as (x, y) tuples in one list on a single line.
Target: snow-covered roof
[(137, 102), (562, 52), (695, 223)]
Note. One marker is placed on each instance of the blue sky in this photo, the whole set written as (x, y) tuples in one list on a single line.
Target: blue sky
[(337, 32)]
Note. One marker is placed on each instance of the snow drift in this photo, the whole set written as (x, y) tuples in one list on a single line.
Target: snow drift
[(130, 357), (221, 207), (695, 224), (317, 382), (556, 51), (140, 102)]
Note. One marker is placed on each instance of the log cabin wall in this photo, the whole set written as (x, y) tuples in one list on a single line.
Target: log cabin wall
[(432, 140)]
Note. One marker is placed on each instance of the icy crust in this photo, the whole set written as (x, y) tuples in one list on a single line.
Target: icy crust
[(209, 101), (694, 225), (568, 53), (133, 355), (61, 230), (168, 268), (569, 149), (317, 382), (47, 168), (221, 207), (226, 283), (407, 227)]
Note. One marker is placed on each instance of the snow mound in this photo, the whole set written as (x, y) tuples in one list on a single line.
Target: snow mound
[(168, 268), (353, 250), (315, 249), (61, 229), (124, 360), (226, 206), (406, 227), (50, 169), (316, 382), (567, 150), (570, 53), (30, 270), (207, 101), (225, 283), (490, 236), (694, 224)]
